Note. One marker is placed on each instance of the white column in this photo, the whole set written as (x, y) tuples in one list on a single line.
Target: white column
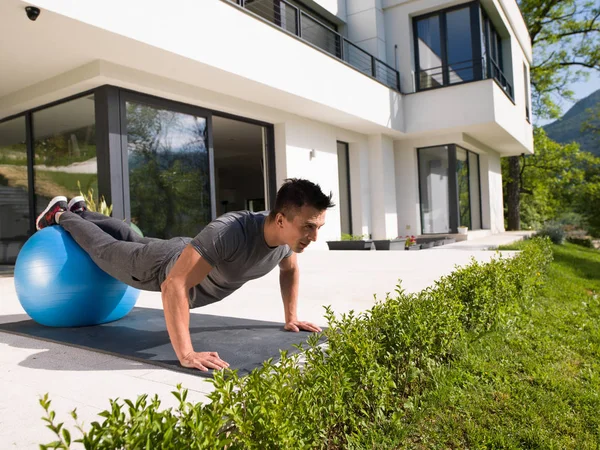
[(280, 154), (384, 218), (407, 189), (360, 190), (492, 206), (366, 26)]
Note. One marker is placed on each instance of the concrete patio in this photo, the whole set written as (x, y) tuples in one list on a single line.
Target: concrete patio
[(82, 379)]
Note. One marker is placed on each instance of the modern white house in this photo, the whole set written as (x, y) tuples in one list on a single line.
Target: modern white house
[(177, 111)]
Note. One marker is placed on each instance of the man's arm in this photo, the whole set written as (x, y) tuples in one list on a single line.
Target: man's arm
[(289, 281), (189, 270)]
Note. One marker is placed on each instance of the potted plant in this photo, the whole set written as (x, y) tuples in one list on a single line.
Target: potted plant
[(463, 230), (351, 242), (396, 243), (411, 243)]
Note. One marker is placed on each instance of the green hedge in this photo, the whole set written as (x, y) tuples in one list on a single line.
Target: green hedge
[(354, 392)]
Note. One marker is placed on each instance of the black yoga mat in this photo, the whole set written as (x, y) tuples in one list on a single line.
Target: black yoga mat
[(142, 335)]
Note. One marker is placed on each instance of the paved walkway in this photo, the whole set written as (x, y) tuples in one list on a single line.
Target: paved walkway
[(76, 378)]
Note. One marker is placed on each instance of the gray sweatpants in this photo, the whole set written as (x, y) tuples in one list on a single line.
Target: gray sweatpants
[(120, 251)]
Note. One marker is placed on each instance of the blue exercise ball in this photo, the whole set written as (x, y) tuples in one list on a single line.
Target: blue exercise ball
[(59, 285)]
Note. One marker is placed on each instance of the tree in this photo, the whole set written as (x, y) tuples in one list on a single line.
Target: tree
[(565, 36), (550, 180)]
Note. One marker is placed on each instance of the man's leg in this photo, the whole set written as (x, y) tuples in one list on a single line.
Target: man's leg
[(134, 263), (117, 228)]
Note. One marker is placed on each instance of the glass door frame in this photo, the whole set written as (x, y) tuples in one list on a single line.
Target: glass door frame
[(453, 191), (114, 181)]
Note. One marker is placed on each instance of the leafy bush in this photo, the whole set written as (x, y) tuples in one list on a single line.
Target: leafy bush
[(353, 237), (578, 236), (90, 200), (585, 241), (555, 231), (353, 392)]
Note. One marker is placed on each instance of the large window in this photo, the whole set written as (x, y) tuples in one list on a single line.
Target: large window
[(458, 45), (493, 61), (169, 183), (445, 49), (65, 150), (14, 189), (166, 166), (449, 189)]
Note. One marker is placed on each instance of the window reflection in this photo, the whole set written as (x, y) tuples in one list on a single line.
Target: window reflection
[(430, 53), (65, 151), (168, 171), (433, 180), (14, 197), (462, 177)]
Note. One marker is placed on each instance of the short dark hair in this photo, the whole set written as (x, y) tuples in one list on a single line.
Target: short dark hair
[(295, 193)]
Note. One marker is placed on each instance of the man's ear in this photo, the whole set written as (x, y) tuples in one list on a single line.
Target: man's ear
[(279, 218)]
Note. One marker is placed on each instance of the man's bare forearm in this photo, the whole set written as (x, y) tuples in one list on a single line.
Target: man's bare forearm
[(289, 282), (177, 317)]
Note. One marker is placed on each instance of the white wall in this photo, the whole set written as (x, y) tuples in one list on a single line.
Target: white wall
[(384, 220), (335, 7), (366, 26), (495, 193), (205, 43), (297, 138)]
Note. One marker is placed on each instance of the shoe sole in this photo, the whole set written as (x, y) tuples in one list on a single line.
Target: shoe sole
[(51, 203)]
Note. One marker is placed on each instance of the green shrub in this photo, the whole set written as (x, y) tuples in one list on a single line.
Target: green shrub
[(353, 237), (585, 241), (579, 236), (354, 391), (555, 231)]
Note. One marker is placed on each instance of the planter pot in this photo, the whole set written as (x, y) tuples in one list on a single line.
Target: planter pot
[(389, 244), (426, 244), (414, 247), (462, 230), (350, 245)]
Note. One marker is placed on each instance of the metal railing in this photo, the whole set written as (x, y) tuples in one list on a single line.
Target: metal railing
[(497, 74), (462, 72), (291, 19)]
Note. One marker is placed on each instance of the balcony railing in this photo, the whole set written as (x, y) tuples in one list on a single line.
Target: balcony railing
[(462, 72), (497, 74), (291, 19)]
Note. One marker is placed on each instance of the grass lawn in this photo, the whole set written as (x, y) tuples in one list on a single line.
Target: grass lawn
[(534, 382)]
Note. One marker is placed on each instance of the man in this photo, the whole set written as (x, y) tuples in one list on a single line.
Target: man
[(189, 273)]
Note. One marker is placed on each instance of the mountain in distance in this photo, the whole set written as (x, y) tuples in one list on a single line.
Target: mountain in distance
[(568, 128)]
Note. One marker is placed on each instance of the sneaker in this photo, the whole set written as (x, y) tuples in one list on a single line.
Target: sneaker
[(77, 205), (46, 218)]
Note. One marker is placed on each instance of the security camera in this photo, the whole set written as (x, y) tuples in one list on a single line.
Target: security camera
[(32, 12)]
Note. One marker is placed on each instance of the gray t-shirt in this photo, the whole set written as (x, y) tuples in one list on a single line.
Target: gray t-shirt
[(234, 245)]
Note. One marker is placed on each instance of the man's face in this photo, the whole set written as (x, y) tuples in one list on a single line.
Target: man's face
[(303, 229)]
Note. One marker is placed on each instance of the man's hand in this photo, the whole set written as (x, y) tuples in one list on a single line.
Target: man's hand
[(203, 361), (297, 325)]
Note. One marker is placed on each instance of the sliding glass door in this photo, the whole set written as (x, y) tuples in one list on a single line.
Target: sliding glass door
[(434, 189), (449, 187), (169, 179)]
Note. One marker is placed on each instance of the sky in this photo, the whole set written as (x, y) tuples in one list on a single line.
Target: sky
[(581, 90)]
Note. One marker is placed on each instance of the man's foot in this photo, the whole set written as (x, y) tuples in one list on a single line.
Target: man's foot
[(46, 218), (77, 205)]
